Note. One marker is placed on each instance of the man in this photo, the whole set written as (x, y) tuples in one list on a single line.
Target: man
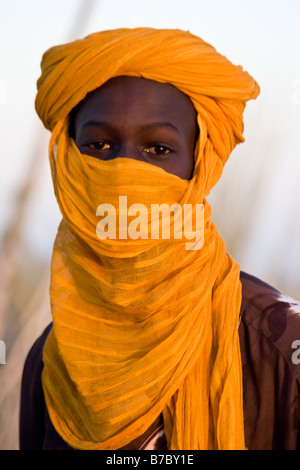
[(152, 343)]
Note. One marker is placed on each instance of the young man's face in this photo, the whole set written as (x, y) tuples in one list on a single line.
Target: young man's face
[(141, 119)]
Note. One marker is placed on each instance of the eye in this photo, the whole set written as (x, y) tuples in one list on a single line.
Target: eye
[(99, 145), (157, 150)]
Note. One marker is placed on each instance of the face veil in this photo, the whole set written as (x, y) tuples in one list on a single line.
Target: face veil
[(145, 327)]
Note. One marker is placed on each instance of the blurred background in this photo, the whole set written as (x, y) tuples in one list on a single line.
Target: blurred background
[(256, 204)]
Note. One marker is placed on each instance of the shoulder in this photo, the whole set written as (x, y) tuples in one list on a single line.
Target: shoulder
[(272, 315), (32, 406), (34, 359), (269, 333)]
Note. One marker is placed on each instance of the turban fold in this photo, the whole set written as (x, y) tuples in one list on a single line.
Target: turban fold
[(142, 327)]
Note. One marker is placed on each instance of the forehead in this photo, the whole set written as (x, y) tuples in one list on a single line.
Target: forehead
[(123, 98)]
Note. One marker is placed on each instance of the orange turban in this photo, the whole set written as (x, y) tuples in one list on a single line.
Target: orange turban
[(142, 327)]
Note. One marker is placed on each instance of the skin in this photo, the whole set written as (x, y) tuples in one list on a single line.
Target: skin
[(138, 118)]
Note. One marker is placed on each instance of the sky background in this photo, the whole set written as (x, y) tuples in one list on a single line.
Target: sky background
[(256, 204)]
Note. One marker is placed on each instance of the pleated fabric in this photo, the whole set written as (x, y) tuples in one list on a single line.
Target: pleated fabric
[(142, 327)]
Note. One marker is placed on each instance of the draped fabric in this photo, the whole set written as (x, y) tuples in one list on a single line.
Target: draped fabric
[(142, 327)]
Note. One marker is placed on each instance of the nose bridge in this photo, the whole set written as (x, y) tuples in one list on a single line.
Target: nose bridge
[(129, 149)]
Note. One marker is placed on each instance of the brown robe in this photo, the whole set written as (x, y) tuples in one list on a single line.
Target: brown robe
[(269, 330)]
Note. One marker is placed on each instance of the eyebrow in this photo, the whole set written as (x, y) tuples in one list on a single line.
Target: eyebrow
[(143, 127)]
